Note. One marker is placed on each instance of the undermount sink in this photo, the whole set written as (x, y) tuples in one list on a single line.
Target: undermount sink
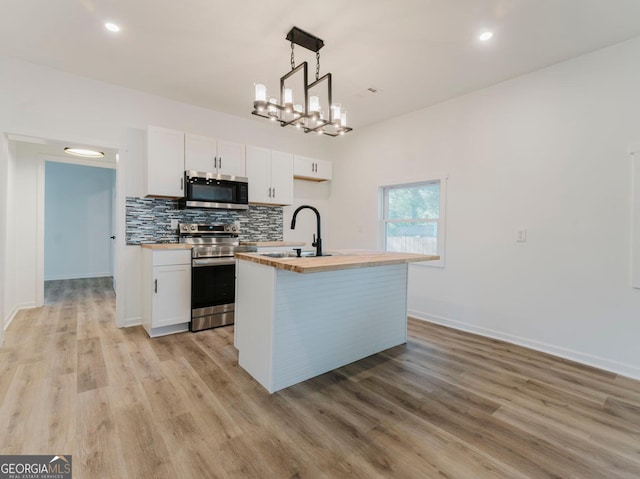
[(304, 254), (275, 255)]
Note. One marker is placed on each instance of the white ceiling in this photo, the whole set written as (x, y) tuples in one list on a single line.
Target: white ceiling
[(211, 52)]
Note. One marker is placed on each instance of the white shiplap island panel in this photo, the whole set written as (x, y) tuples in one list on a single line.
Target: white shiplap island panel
[(291, 327)]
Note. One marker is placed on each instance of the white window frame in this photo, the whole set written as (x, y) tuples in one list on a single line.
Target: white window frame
[(441, 221)]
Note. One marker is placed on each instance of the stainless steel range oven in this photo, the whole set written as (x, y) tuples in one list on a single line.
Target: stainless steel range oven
[(213, 272)]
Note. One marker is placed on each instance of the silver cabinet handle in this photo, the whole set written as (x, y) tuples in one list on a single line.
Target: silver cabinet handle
[(220, 162), (181, 184), (274, 192), (215, 162), (156, 286), (269, 192)]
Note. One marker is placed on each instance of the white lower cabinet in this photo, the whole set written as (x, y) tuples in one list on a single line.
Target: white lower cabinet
[(166, 291)]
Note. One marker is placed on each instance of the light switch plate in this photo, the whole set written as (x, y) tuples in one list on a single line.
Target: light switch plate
[(521, 236)]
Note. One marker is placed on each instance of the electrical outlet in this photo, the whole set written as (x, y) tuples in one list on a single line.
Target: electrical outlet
[(521, 236), (174, 224)]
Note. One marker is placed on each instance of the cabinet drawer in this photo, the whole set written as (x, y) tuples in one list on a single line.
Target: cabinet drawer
[(169, 257)]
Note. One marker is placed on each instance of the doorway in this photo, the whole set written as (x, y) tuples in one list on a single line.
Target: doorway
[(78, 222), (28, 161)]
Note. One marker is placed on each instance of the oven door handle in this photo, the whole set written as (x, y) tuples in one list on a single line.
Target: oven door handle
[(200, 262)]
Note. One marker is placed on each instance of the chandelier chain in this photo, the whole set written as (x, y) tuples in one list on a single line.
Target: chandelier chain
[(293, 61), (317, 65)]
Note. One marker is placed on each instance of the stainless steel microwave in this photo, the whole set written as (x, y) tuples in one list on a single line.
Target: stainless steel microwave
[(211, 190)]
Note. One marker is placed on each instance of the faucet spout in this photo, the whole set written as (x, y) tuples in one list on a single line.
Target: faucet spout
[(317, 239)]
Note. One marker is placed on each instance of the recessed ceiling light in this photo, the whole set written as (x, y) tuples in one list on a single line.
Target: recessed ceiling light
[(485, 36), (112, 27), (84, 152)]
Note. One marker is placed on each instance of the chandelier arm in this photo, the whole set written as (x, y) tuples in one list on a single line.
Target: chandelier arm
[(317, 65), (293, 61)]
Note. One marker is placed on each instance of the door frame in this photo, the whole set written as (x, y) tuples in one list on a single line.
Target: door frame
[(118, 207)]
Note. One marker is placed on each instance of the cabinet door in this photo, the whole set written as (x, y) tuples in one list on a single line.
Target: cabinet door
[(165, 162), (231, 159), (282, 178), (200, 153), (323, 170), (259, 174), (303, 167), (306, 168), (171, 296)]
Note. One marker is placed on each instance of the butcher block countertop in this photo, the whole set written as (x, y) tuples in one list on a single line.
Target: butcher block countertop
[(340, 259), (167, 246)]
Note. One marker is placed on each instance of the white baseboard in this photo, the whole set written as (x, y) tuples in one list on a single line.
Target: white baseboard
[(129, 322), (77, 276), (623, 369), (16, 309)]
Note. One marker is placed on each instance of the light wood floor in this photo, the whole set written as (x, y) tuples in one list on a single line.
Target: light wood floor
[(446, 405)]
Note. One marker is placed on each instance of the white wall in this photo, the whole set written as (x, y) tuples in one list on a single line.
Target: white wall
[(314, 194), (45, 103), (546, 152), (78, 217), (4, 155), (24, 174)]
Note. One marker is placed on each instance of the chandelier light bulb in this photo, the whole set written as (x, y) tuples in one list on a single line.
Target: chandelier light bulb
[(261, 92), (343, 119), (271, 109), (314, 104), (288, 97), (336, 112)]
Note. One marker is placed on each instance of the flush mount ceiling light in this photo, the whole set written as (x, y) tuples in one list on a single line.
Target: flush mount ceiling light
[(112, 27), (84, 152), (484, 36), (316, 111)]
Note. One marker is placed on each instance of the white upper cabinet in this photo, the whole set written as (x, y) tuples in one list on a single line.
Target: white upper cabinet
[(231, 159), (306, 168), (270, 175), (208, 155), (282, 177), (200, 153), (165, 163)]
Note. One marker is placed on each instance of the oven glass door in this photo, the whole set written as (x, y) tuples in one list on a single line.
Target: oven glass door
[(213, 285)]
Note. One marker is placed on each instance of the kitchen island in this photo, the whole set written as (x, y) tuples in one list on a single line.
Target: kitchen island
[(297, 318)]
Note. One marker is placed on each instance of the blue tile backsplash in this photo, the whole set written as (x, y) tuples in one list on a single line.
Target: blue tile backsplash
[(149, 220)]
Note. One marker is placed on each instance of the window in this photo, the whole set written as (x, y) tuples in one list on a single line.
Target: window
[(413, 218)]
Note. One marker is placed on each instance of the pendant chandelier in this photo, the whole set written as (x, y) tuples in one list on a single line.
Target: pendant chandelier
[(313, 109)]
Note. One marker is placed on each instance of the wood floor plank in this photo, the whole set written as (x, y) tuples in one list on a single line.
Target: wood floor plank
[(92, 370), (447, 404), (97, 451)]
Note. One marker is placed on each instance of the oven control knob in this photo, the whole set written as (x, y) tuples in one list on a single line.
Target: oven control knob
[(234, 228), (194, 227)]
